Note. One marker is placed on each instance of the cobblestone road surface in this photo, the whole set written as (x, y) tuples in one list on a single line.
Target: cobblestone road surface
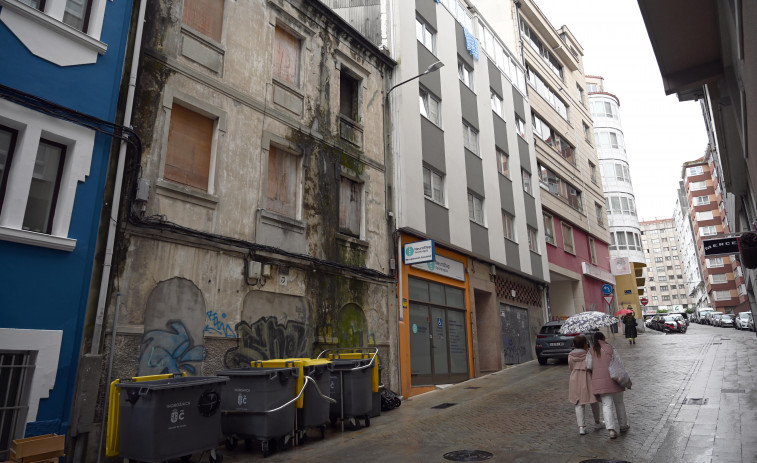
[(521, 414)]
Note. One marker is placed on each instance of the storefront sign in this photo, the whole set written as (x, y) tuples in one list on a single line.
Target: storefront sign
[(419, 252), (720, 246), (598, 273), (443, 266)]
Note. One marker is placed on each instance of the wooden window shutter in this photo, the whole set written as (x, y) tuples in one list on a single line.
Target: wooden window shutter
[(281, 192), (349, 207), (286, 57), (205, 16), (188, 153)]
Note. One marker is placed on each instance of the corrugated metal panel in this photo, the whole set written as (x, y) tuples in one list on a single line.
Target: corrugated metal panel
[(363, 15)]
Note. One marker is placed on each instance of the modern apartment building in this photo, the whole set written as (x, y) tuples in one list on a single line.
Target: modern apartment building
[(692, 268), (464, 177), (626, 252), (723, 275), (665, 286), (573, 202)]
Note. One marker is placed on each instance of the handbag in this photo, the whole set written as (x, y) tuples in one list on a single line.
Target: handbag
[(618, 372)]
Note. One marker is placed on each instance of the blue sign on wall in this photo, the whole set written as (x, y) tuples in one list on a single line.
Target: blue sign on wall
[(606, 290)]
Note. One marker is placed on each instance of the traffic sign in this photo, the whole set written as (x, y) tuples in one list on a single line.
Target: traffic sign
[(608, 299), (644, 300), (606, 290)]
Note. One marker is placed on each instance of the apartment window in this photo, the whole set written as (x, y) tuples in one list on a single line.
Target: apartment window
[(283, 191), (77, 13), (658, 259), (286, 57), (656, 250), (580, 94), (722, 295), (433, 185), (549, 136), (204, 16), (696, 186), (8, 138), (651, 278), (592, 251), (656, 241), (470, 138), (430, 107), (663, 288), (714, 262), (533, 40), (567, 239), (533, 243), (653, 288), (425, 35), (593, 172), (45, 185), (704, 215), (701, 200), (546, 92), (600, 214), (603, 109), (188, 153), (348, 95), (696, 170), (560, 188), (592, 88), (660, 269), (662, 278), (465, 73), (526, 182), (508, 224), (670, 267), (497, 105), (520, 126), (549, 229), (503, 163), (665, 298), (718, 278), (708, 231), (350, 207), (609, 140), (654, 298), (476, 208)]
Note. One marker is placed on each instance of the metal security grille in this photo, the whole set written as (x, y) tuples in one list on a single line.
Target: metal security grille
[(16, 369)]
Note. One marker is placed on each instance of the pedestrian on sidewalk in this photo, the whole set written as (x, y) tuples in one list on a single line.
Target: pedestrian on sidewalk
[(630, 322), (579, 385), (609, 392)]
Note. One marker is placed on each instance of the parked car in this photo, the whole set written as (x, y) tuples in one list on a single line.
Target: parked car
[(681, 318), (751, 324), (726, 321), (551, 344), (715, 319), (668, 324), (708, 318), (742, 321)]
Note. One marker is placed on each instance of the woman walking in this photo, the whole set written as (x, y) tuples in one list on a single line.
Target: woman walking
[(579, 386), (609, 392), (630, 323)]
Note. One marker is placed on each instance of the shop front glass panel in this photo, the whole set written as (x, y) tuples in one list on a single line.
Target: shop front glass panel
[(439, 322), (458, 346), (420, 346)]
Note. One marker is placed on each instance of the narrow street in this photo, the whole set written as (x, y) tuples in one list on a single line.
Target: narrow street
[(521, 414)]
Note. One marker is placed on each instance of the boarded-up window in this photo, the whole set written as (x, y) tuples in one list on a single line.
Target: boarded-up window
[(282, 191), (286, 57), (188, 153), (349, 207), (205, 16)]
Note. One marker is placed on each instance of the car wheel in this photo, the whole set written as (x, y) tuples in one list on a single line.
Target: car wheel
[(542, 360)]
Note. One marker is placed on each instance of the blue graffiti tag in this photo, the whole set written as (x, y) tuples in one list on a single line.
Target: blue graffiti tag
[(217, 325), (169, 351)]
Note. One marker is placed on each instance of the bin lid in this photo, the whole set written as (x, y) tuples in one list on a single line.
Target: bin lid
[(247, 371), (171, 383)]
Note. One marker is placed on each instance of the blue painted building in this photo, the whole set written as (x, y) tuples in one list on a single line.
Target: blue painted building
[(60, 58)]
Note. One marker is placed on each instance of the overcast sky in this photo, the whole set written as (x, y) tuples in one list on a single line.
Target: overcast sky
[(661, 133)]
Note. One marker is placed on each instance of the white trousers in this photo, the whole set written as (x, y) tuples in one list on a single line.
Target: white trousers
[(614, 410), (580, 413)]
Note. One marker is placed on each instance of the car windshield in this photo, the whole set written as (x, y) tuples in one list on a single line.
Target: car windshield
[(669, 319), (550, 329), (744, 316), (726, 317)]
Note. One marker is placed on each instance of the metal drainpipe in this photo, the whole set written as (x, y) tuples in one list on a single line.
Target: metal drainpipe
[(105, 277)]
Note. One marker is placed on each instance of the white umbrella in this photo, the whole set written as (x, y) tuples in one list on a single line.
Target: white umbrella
[(587, 321)]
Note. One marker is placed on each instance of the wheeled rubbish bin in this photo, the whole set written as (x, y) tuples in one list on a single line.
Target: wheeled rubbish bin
[(170, 418), (353, 377), (258, 406), (313, 407)]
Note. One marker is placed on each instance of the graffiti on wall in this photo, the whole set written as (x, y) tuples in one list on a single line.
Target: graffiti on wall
[(169, 351), (267, 339), (216, 325)]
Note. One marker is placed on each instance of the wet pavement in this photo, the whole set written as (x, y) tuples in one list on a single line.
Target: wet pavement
[(694, 399)]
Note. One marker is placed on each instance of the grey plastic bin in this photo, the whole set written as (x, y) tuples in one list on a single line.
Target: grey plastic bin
[(315, 410), (250, 394), (169, 418), (357, 384)]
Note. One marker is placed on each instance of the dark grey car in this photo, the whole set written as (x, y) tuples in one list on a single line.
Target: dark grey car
[(551, 344)]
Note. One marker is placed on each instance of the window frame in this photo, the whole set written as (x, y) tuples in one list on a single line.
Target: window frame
[(533, 242), (498, 104), (465, 74), (433, 173), (508, 227), (279, 77), (503, 167), (476, 214), (425, 98), (567, 230), (527, 181), (549, 229), (344, 228), (426, 31), (592, 251), (297, 194), (470, 135)]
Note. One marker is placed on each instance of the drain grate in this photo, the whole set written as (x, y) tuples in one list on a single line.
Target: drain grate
[(468, 455), (733, 391), (472, 387), (694, 401), (603, 460), (444, 405)]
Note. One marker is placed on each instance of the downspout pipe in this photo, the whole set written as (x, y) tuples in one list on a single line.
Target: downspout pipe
[(116, 201)]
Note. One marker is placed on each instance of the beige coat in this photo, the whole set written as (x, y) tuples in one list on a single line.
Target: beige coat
[(601, 383), (579, 385)]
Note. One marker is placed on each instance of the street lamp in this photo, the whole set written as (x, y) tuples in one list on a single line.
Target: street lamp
[(434, 67)]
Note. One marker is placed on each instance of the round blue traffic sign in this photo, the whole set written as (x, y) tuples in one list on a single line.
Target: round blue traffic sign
[(606, 290)]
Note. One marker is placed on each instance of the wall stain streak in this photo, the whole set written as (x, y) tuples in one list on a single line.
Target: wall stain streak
[(267, 339), (169, 351)]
